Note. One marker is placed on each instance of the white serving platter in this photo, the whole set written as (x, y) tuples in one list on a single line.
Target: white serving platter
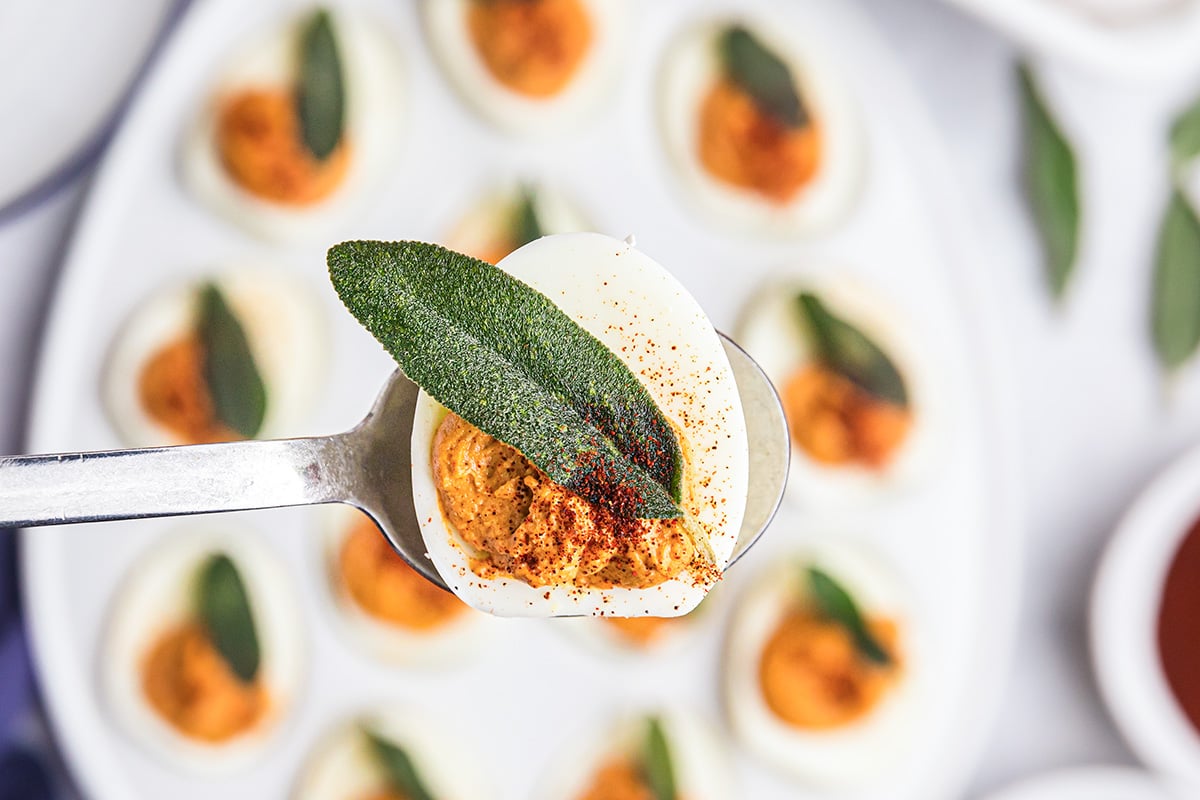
[(1091, 783), (954, 538)]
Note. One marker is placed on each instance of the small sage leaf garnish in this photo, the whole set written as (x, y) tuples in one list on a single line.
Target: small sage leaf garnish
[(320, 92), (1051, 184), (224, 609), (238, 393), (398, 768), (656, 765), (762, 75), (526, 225), (847, 351), (1185, 136), (835, 604), (507, 360), (1176, 313)]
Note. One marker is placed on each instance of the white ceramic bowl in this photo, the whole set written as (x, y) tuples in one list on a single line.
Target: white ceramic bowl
[(1124, 620)]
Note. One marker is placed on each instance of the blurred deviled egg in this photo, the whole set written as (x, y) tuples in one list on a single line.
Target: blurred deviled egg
[(509, 218), (204, 651), (391, 755), (530, 66), (237, 356), (765, 138), (663, 755), (857, 402), (387, 605), (299, 127), (817, 668), (642, 636)]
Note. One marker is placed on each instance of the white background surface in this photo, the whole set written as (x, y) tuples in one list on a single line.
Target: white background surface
[(1094, 424)]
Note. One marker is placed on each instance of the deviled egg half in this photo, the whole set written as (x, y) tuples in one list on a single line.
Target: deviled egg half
[(671, 754), (511, 217), (765, 137), (642, 636), (386, 605), (859, 402), (510, 541), (395, 754), (300, 127), (530, 66), (204, 652), (239, 355), (818, 668)]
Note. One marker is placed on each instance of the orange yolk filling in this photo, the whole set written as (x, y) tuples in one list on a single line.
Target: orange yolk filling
[(812, 675), (261, 146), (641, 631), (386, 587), (837, 422), (174, 393), (743, 146), (617, 779), (385, 794), (191, 686), (533, 47)]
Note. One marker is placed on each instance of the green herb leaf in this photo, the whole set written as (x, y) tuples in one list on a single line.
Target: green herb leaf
[(526, 225), (399, 771), (238, 393), (1051, 184), (656, 764), (1185, 136), (510, 362), (1176, 313), (762, 75), (224, 609), (847, 351), (320, 92), (836, 604)]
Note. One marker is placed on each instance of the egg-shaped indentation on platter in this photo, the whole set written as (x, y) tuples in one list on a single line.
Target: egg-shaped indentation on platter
[(204, 653), (299, 126)]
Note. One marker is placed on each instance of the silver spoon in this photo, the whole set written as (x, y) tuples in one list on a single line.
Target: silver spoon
[(366, 467)]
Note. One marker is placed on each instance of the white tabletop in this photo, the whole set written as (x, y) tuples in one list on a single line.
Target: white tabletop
[(1093, 421)]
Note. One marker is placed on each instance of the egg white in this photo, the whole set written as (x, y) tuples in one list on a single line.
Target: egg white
[(511, 111), (771, 331), (852, 755), (445, 646), (603, 283), (284, 326), (373, 74), (698, 756), (489, 220), (692, 66), (158, 593), (342, 767)]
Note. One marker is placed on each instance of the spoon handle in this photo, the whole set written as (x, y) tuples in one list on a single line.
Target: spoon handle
[(170, 481)]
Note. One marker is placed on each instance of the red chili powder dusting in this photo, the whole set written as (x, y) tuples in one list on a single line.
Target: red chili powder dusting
[(1179, 626)]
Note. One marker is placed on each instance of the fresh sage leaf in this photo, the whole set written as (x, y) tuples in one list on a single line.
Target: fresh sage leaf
[(526, 225), (320, 92), (224, 609), (1176, 313), (1051, 184), (836, 604), (1185, 136), (238, 393), (763, 75), (847, 351), (656, 764), (399, 770), (506, 359)]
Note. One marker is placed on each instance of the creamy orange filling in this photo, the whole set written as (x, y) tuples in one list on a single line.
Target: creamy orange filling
[(617, 779), (812, 675), (521, 524), (174, 393), (384, 794), (533, 47), (836, 422), (191, 686), (262, 148), (743, 146), (642, 631), (386, 587)]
